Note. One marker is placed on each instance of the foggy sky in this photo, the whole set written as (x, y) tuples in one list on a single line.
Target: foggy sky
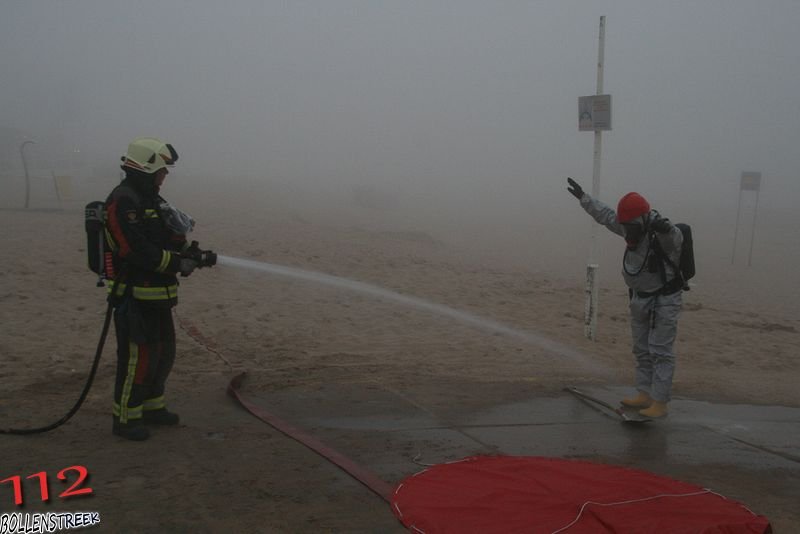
[(453, 96)]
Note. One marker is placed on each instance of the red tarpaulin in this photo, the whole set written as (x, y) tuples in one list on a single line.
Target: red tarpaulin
[(547, 495)]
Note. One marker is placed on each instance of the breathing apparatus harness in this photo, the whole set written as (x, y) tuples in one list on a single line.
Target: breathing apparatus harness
[(646, 233), (100, 262), (683, 270)]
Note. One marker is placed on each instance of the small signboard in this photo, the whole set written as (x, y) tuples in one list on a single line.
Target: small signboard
[(751, 181), (594, 113)]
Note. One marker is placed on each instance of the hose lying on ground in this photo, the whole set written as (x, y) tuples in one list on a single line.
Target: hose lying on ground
[(84, 393)]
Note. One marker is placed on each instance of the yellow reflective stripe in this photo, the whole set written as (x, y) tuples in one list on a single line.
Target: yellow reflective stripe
[(156, 403), (147, 293), (165, 257), (110, 240), (126, 413), (150, 214), (133, 412), (120, 288), (155, 293)]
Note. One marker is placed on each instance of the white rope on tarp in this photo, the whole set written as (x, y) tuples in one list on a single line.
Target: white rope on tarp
[(416, 458), (703, 491), (632, 501)]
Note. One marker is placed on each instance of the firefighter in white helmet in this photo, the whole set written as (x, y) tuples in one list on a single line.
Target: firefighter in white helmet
[(147, 240)]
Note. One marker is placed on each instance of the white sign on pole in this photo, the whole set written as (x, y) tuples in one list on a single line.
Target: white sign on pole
[(594, 113), (751, 181)]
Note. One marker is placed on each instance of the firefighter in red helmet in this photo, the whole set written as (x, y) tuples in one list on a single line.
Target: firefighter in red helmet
[(147, 240), (649, 267)]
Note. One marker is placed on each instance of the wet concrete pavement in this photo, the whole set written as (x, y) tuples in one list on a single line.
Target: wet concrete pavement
[(748, 453)]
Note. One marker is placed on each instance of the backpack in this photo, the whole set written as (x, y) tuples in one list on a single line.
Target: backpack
[(95, 239), (685, 267), (100, 256)]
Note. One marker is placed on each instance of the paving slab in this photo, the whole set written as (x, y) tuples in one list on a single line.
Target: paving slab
[(739, 447)]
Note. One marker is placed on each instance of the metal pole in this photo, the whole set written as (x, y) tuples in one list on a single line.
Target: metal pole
[(592, 292), (753, 232), (55, 186), (25, 166), (736, 228)]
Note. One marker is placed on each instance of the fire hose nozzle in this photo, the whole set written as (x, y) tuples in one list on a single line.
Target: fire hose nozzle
[(204, 258), (207, 259)]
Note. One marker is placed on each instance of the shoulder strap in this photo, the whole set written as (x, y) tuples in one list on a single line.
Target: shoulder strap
[(127, 190), (656, 245)]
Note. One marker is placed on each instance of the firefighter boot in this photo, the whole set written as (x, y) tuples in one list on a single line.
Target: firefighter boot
[(160, 417), (655, 411), (133, 430), (641, 400)]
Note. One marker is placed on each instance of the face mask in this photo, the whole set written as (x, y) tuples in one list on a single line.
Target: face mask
[(634, 232)]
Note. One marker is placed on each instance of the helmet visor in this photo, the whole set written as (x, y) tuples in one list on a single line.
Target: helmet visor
[(171, 158)]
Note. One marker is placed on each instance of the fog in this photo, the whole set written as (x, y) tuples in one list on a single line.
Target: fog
[(454, 118)]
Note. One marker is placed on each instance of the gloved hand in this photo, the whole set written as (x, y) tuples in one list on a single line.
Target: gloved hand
[(660, 225), (192, 250), (187, 266), (204, 258), (575, 189)]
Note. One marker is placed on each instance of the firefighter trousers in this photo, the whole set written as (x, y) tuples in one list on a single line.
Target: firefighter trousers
[(145, 354), (654, 326)]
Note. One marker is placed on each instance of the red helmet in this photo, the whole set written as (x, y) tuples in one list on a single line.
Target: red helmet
[(631, 206)]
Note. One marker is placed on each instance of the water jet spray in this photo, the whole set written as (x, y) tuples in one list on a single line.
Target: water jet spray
[(550, 346)]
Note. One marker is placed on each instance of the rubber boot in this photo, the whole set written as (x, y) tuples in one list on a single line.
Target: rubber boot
[(160, 417), (133, 430), (641, 400), (655, 411)]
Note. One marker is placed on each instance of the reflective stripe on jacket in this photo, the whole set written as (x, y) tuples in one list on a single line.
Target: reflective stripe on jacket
[(146, 293), (146, 253)]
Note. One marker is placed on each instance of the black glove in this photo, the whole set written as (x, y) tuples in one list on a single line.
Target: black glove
[(575, 189), (192, 251), (187, 266), (204, 258), (661, 225)]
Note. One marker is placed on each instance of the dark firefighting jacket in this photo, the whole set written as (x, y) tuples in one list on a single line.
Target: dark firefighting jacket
[(145, 252)]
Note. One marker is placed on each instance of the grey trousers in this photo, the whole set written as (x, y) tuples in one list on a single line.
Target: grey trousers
[(654, 325)]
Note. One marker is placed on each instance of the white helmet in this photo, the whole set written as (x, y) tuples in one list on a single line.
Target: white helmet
[(148, 154)]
